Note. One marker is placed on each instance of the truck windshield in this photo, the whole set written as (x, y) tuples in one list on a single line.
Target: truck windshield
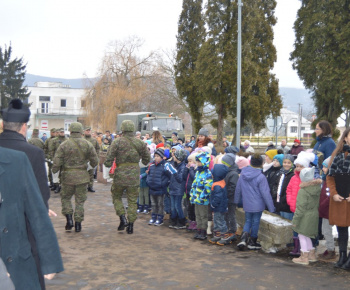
[(166, 124)]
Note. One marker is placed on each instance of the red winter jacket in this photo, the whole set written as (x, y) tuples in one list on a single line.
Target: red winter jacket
[(292, 190)]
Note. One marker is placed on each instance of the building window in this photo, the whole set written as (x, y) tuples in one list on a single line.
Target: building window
[(44, 108), (302, 128), (294, 129), (63, 103), (83, 103), (44, 99)]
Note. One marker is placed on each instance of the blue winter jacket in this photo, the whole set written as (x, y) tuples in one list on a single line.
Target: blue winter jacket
[(326, 145), (177, 183), (218, 196), (143, 174), (201, 186), (252, 186), (158, 178)]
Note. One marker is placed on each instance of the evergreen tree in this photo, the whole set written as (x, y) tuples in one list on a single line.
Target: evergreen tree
[(217, 63), (321, 55), (12, 76), (191, 36)]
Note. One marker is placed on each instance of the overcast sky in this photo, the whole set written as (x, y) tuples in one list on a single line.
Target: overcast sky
[(67, 38)]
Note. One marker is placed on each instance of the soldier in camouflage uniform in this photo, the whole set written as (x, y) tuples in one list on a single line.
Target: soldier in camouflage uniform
[(61, 137), (47, 156), (73, 156), (127, 151), (35, 140), (93, 141)]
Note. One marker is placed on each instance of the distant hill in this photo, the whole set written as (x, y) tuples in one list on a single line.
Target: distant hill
[(291, 96)]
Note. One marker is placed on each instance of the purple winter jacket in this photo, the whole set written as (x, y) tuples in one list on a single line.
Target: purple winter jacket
[(254, 190)]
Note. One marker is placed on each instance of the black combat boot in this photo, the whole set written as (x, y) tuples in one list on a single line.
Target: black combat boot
[(77, 227), (130, 228), (58, 189), (123, 223), (91, 189), (69, 223)]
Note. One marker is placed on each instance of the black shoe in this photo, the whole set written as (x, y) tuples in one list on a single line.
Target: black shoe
[(54, 186), (173, 223), (342, 259), (130, 228), (123, 223), (243, 243), (77, 227), (203, 235), (198, 233), (91, 189), (69, 224), (58, 189), (346, 265), (253, 244), (51, 185)]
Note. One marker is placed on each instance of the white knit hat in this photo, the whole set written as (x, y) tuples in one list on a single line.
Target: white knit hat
[(304, 159), (307, 174)]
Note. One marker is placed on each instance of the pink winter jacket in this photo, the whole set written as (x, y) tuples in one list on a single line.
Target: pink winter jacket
[(292, 190)]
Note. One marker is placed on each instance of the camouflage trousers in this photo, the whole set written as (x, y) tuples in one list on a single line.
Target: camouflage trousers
[(132, 192), (91, 174), (79, 192), (49, 174)]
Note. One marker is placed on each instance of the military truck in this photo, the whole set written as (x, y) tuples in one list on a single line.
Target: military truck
[(147, 122)]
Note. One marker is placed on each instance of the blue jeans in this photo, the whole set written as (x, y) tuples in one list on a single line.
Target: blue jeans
[(219, 222), (252, 223), (176, 207), (167, 206), (287, 215)]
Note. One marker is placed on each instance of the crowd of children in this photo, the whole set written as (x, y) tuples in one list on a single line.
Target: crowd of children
[(204, 188)]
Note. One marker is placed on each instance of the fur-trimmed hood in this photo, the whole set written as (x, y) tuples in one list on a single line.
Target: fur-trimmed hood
[(317, 181)]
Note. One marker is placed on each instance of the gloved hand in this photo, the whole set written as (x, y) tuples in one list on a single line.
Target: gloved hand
[(170, 168)]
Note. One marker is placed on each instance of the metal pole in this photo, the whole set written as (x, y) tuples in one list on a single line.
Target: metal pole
[(239, 66), (276, 125)]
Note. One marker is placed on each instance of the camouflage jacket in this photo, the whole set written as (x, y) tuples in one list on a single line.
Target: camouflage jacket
[(73, 156), (94, 143), (56, 142), (127, 151), (36, 141)]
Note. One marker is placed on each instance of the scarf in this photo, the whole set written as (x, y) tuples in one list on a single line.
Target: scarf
[(341, 164), (267, 166)]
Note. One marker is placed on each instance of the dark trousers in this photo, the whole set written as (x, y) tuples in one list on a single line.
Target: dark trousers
[(230, 218), (343, 237), (157, 204)]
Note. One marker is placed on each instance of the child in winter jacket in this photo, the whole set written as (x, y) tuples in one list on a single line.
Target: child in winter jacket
[(177, 189), (279, 189), (305, 220), (158, 180), (143, 191), (252, 186), (188, 175), (323, 211), (231, 180), (200, 193), (218, 203)]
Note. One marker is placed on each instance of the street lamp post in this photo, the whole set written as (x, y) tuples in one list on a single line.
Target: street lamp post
[(239, 66)]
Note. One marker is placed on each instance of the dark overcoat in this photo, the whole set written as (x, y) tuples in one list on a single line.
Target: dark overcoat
[(20, 200)]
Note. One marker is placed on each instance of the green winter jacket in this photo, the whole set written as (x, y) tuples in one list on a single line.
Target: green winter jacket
[(305, 220)]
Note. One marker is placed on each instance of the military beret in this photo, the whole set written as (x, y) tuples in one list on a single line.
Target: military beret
[(16, 112)]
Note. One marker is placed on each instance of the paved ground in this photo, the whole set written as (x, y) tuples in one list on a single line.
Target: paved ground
[(153, 257)]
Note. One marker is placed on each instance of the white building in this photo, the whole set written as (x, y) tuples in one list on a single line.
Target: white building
[(291, 126), (55, 105)]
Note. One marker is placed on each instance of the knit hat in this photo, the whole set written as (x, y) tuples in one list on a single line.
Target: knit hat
[(189, 144), (307, 174), (297, 141), (152, 148), (304, 159), (160, 145), (228, 159), (160, 152), (167, 153), (207, 149), (16, 112), (242, 162), (279, 158), (204, 132), (167, 144), (289, 157), (256, 160), (325, 162), (231, 149), (175, 133), (181, 154), (271, 153), (176, 147)]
